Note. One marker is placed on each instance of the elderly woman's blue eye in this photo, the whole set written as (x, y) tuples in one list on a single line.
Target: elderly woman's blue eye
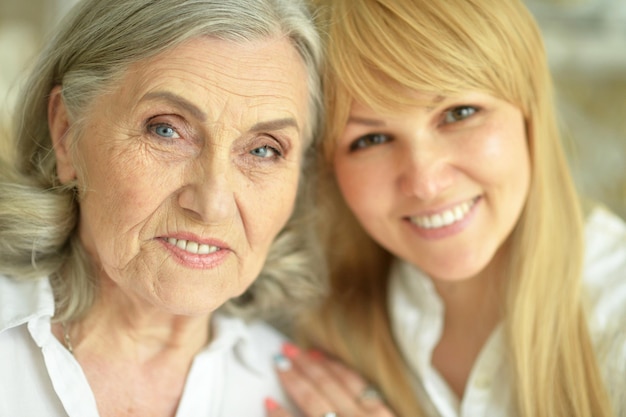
[(459, 113), (165, 131), (265, 152)]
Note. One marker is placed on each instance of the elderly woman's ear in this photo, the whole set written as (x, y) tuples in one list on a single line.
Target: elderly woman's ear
[(59, 126)]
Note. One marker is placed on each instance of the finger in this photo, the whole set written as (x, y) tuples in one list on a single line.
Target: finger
[(301, 389), (364, 394), (273, 409), (313, 367), (353, 382)]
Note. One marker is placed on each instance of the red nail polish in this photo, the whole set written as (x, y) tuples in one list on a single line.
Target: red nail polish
[(290, 350), (270, 404), (316, 354)]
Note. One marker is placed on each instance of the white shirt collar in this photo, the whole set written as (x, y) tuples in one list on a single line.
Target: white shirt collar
[(22, 301), (29, 300), (233, 333)]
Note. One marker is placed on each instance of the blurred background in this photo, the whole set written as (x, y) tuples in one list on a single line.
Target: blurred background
[(586, 44)]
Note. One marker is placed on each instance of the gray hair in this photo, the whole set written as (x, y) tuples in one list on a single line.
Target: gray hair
[(95, 44)]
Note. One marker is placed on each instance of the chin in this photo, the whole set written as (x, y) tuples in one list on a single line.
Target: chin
[(193, 310), (455, 271)]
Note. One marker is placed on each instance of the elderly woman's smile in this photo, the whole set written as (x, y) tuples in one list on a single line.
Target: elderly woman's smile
[(189, 169)]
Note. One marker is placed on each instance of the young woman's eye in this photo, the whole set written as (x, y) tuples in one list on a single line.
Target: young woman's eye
[(265, 152), (369, 140), (459, 113), (164, 130)]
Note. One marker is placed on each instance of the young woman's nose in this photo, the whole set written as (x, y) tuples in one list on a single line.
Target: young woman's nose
[(208, 194), (425, 170)]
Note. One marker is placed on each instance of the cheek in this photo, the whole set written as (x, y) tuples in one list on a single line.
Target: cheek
[(121, 195), (501, 154), (505, 166), (267, 207), (131, 188), (361, 187)]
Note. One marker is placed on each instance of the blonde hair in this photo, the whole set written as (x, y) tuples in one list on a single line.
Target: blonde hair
[(376, 49), (93, 47)]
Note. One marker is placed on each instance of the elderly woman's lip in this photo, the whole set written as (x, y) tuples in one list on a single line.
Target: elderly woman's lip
[(190, 237), (196, 255), (193, 247), (193, 244)]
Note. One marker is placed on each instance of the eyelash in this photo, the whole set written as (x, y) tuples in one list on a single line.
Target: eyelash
[(155, 123), (451, 111), (277, 152), (373, 139), (154, 127), (449, 116)]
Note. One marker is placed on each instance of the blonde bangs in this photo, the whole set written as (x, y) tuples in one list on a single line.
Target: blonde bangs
[(379, 50)]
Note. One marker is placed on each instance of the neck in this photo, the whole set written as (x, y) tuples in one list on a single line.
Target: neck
[(478, 296), (472, 311), (126, 327), (467, 301)]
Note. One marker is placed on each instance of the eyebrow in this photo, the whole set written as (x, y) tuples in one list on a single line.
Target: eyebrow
[(177, 101), (365, 121), (273, 125), (437, 100), (378, 123)]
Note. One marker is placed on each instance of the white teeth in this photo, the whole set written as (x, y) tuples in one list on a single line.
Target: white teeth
[(437, 221), (458, 213), (192, 247), (445, 218), (426, 223)]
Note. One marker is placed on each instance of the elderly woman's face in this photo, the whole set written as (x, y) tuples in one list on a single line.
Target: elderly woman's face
[(190, 169)]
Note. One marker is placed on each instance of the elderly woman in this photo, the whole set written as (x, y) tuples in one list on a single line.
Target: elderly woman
[(159, 147)]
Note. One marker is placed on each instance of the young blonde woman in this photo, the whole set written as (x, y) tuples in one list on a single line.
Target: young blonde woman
[(465, 278)]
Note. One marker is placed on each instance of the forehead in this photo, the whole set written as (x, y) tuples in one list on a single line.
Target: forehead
[(397, 101), (262, 77)]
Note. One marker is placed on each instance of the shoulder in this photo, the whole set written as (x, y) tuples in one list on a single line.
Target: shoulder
[(604, 272), (21, 300), (251, 372), (255, 335), (266, 337), (605, 237), (604, 286), (255, 343)]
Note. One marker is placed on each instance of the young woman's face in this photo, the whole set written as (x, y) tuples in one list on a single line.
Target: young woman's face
[(440, 186)]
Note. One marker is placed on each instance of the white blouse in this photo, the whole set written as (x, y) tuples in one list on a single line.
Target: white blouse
[(231, 377), (417, 315)]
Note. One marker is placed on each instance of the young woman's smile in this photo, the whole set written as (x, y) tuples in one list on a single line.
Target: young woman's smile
[(441, 186)]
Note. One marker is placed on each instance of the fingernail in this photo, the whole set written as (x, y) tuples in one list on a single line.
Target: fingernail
[(282, 362), (316, 354), (290, 350), (270, 404)]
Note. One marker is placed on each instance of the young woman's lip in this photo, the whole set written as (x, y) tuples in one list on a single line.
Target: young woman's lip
[(442, 209), (445, 230)]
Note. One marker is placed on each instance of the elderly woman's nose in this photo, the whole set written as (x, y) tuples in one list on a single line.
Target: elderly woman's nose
[(425, 171), (208, 194)]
